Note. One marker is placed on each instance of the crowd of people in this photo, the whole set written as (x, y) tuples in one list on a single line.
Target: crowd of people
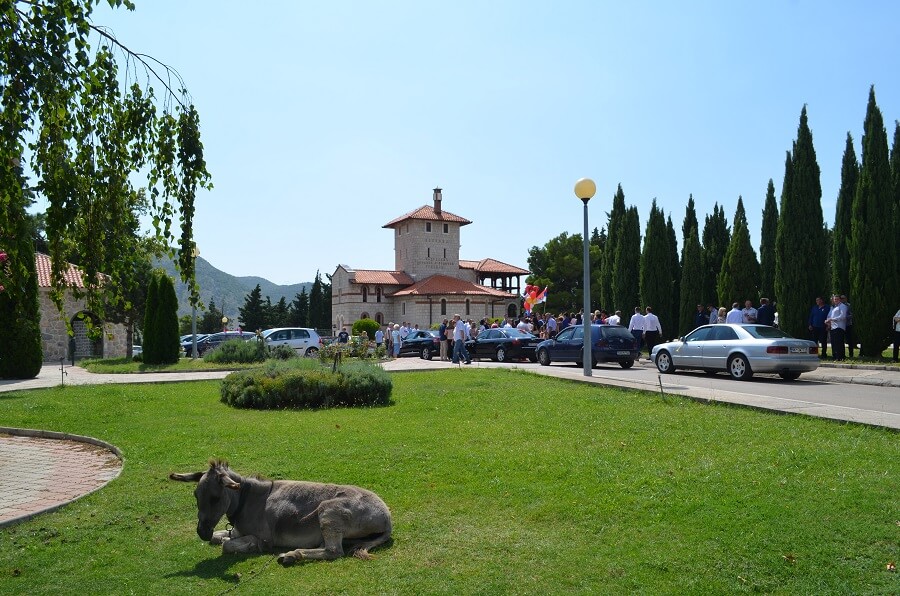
[(834, 323)]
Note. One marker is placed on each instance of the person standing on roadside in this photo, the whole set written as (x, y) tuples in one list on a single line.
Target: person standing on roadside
[(460, 335), (735, 315), (379, 337), (765, 315), (636, 326), (442, 335), (749, 314), (897, 336), (395, 340), (701, 318), (652, 329), (817, 331), (837, 323)]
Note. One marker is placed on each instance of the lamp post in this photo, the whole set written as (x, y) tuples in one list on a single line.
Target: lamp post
[(194, 254), (584, 190), (224, 323)]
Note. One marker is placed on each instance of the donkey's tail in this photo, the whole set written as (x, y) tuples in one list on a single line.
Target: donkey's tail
[(361, 548)]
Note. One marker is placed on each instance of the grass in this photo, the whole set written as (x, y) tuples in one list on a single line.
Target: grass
[(125, 365), (499, 482)]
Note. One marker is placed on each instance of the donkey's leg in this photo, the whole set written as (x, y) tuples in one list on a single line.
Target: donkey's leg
[(334, 517), (242, 545)]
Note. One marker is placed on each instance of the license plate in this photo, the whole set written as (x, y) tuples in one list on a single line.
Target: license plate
[(798, 350), (623, 353)]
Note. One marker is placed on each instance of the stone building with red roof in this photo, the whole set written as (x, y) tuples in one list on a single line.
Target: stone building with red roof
[(429, 281), (55, 337)]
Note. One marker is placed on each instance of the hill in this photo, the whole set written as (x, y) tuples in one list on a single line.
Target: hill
[(228, 291)]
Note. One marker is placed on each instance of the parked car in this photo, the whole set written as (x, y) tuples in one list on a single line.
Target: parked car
[(137, 350), (213, 340), (739, 350), (424, 342), (305, 341), (503, 344), (609, 343)]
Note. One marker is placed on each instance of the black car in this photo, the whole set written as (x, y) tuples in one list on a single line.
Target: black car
[(423, 343), (212, 341), (503, 344), (611, 343)]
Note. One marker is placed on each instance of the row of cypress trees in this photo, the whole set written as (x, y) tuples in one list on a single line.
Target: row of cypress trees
[(799, 257)]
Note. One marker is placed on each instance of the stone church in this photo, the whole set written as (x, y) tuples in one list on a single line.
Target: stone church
[(429, 281)]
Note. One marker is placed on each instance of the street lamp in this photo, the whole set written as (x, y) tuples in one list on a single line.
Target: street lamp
[(224, 323), (195, 252), (584, 190)]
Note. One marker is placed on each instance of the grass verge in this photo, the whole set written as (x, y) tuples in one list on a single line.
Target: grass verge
[(499, 482)]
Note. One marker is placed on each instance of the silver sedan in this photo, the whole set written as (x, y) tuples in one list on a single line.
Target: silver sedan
[(739, 350)]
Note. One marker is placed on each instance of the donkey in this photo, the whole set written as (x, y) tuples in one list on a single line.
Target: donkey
[(317, 521)]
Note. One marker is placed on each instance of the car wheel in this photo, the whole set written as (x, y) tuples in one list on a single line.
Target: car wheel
[(312, 352), (739, 368), (626, 363), (501, 354), (789, 376), (664, 363), (426, 353), (543, 356)]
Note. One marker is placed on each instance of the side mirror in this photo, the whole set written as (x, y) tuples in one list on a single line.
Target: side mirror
[(681, 339)]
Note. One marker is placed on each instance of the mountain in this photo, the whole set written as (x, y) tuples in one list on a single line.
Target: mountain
[(228, 291)]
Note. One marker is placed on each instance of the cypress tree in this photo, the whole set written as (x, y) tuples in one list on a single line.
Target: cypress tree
[(655, 279), (300, 309), (873, 239), (716, 236), (691, 282), (317, 303), (616, 218), (673, 303), (167, 322), (801, 263), (627, 265), (690, 223), (152, 353), (739, 276), (840, 252), (767, 245), (895, 184)]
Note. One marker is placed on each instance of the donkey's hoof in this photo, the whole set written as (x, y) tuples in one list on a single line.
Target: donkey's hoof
[(286, 559)]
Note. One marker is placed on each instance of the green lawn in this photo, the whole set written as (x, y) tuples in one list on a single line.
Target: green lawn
[(125, 365), (499, 482)]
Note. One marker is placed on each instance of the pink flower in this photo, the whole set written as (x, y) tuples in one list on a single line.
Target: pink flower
[(2, 257)]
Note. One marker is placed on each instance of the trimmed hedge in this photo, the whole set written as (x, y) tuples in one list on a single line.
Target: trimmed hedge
[(304, 383), (237, 350)]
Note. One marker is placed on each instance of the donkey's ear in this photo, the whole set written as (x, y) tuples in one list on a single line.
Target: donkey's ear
[(191, 477), (226, 481)]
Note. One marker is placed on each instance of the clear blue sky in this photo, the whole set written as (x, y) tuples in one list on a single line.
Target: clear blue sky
[(323, 121)]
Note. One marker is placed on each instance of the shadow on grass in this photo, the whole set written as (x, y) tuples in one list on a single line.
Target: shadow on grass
[(218, 568)]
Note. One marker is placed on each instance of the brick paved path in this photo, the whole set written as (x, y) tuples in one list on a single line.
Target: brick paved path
[(43, 474)]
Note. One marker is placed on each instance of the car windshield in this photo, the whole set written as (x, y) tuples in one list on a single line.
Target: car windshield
[(517, 333), (766, 332), (617, 332)]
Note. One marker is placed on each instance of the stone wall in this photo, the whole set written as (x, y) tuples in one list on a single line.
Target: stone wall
[(55, 337)]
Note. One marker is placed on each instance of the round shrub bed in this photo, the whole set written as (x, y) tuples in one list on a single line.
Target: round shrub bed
[(306, 384)]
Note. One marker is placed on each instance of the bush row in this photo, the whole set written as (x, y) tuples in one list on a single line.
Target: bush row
[(306, 384)]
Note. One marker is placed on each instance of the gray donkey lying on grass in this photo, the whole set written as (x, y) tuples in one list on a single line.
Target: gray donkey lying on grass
[(317, 521)]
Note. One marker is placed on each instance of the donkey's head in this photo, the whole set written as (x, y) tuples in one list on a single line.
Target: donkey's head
[(216, 487)]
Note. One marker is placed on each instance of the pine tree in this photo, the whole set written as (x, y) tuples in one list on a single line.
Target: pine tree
[(280, 313), (691, 282), (840, 253), (716, 237), (152, 352), (873, 240), (739, 276), (211, 321), (801, 271), (767, 245), (655, 279), (616, 218), (300, 309), (627, 266), (253, 313)]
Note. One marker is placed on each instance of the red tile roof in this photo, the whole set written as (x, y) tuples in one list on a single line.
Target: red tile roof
[(492, 266), (372, 276), (443, 284), (72, 276), (426, 212)]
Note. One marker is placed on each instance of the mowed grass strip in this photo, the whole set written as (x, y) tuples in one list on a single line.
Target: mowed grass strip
[(499, 482)]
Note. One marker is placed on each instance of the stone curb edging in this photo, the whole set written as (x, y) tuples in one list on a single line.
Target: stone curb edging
[(49, 434)]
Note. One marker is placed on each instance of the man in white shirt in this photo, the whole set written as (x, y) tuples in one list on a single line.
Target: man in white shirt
[(837, 323), (615, 319), (460, 335), (735, 315), (636, 326), (749, 314), (652, 329), (551, 325)]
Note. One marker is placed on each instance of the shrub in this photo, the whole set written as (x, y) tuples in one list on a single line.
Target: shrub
[(368, 325), (307, 384), (283, 352), (237, 350)]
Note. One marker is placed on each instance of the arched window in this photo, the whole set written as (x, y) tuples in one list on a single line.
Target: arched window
[(404, 309), (379, 318), (364, 315), (468, 306), (378, 294), (365, 293), (443, 306)]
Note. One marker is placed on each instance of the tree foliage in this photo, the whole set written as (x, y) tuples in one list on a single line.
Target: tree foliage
[(558, 264), (655, 278), (767, 245), (691, 282), (840, 247), (739, 277), (873, 240), (299, 312), (253, 314), (615, 220), (21, 353), (801, 271), (211, 321), (83, 126), (168, 348), (716, 237), (627, 266)]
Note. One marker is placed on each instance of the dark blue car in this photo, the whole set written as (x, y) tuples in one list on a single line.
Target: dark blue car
[(610, 343)]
